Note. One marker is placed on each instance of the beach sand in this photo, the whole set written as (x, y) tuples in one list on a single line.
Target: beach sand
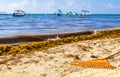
[(55, 62)]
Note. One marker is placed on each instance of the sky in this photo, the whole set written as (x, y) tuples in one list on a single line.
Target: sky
[(51, 6)]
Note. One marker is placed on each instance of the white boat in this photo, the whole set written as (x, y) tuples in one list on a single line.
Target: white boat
[(59, 13), (85, 12), (19, 13)]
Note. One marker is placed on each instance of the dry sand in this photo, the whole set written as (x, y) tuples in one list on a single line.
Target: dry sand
[(55, 62)]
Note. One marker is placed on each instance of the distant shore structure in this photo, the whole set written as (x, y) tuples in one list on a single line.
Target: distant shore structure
[(19, 13), (3, 13)]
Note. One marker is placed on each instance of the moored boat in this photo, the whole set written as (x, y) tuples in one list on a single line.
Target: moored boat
[(19, 13), (59, 13), (85, 13)]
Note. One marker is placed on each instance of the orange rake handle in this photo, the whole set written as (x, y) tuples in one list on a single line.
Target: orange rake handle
[(116, 54)]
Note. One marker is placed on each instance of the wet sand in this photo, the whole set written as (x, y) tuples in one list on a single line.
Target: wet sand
[(55, 62)]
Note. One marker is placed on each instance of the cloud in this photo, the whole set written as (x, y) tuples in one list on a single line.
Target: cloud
[(112, 6), (76, 5), (49, 7), (32, 6), (46, 6), (27, 5)]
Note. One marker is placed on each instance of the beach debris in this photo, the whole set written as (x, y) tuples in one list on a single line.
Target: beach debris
[(96, 31), (76, 57), (69, 55), (103, 63), (93, 56), (56, 38)]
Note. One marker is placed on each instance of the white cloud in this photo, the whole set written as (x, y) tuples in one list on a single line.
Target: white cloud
[(112, 6), (32, 6), (26, 5), (46, 6), (49, 7), (76, 5)]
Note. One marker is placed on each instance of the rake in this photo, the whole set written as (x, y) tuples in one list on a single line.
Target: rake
[(103, 63)]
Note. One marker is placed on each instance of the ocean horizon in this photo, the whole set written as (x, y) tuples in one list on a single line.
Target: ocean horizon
[(39, 24)]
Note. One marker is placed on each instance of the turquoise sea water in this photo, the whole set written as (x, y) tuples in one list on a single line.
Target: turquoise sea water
[(34, 24)]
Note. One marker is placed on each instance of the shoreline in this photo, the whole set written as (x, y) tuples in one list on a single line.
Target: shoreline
[(42, 37), (28, 47), (33, 38)]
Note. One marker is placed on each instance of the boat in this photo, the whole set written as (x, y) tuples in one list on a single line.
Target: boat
[(19, 13), (85, 13), (59, 13), (69, 14)]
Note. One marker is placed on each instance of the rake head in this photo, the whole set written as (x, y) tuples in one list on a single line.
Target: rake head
[(98, 63)]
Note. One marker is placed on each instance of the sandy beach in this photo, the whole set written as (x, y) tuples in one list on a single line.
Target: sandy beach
[(55, 62), (44, 38)]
